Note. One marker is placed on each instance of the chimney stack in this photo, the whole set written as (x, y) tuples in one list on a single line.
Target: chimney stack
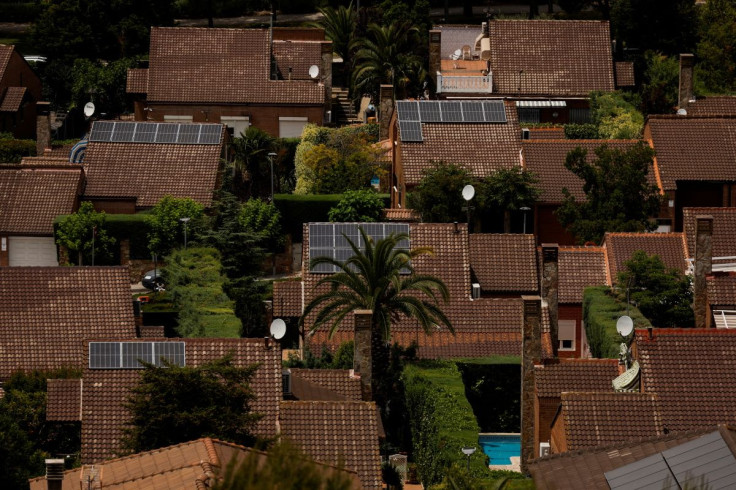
[(703, 268), (435, 53), (550, 288), (54, 473), (363, 354), (687, 61), (531, 350), (43, 128), (385, 110)]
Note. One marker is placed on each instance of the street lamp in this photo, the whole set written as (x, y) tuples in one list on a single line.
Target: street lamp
[(468, 451), (185, 221), (525, 209), (270, 160), (468, 193)]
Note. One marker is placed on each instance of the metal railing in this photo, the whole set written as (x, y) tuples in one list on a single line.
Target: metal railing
[(465, 84)]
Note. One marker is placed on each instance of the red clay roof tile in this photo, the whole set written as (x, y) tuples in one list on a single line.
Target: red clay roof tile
[(137, 82), (338, 380), (721, 289), (620, 247), (579, 268), (13, 98), (724, 229), (625, 74), (287, 298), (571, 375), (64, 400), (504, 262), (713, 106)]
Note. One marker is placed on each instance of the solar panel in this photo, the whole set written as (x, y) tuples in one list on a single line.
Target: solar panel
[(101, 131), (472, 111), (495, 112), (410, 130), (189, 134), (173, 352), (210, 134), (408, 110), (167, 133), (123, 131), (133, 351), (451, 112), (151, 132), (145, 133), (127, 355), (104, 355), (429, 111)]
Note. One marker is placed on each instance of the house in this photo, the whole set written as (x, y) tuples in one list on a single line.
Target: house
[(723, 234), (717, 105), (130, 166), (547, 67), (483, 136), (721, 305), (48, 311), (20, 90), (189, 465), (31, 197), (237, 77), (659, 462), (503, 265), (620, 248)]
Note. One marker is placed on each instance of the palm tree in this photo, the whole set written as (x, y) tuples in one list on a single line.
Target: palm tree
[(379, 278), (339, 25), (250, 163)]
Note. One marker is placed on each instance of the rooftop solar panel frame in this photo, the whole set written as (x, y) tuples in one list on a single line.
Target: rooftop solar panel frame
[(408, 110), (411, 131), (495, 111), (429, 111), (153, 132), (452, 111), (127, 355)]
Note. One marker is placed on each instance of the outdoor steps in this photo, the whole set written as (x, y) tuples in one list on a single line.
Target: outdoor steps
[(343, 110)]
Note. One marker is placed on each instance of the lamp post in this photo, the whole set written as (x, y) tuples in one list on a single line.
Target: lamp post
[(468, 193), (185, 221), (468, 451), (270, 160), (525, 209)]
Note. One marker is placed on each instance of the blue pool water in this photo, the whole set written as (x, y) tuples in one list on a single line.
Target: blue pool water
[(500, 448)]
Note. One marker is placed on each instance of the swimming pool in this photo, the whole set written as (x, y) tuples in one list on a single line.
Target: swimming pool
[(500, 448)]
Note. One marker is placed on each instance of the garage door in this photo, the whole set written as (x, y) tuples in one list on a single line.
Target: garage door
[(38, 251)]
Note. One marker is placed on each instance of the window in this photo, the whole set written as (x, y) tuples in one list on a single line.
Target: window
[(566, 334), (239, 124), (580, 116), (527, 115), (177, 118), (291, 127)]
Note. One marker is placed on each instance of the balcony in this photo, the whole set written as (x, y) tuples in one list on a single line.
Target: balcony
[(467, 84)]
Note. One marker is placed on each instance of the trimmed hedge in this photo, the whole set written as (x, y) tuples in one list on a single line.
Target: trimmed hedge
[(12, 150), (122, 226), (601, 311), (299, 209)]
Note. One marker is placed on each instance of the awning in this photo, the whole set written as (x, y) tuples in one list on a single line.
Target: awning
[(539, 104)]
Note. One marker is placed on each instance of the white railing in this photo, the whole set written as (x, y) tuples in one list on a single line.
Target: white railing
[(724, 318), (464, 84), (718, 264)]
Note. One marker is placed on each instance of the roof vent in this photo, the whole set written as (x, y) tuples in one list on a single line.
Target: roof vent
[(543, 449), (54, 469), (476, 290), (525, 133)]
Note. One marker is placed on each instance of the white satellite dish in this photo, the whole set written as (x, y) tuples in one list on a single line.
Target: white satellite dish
[(278, 328), (457, 54), (314, 71), (89, 109), (468, 192), (681, 112), (625, 325)]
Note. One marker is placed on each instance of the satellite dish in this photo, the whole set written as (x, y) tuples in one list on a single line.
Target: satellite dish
[(314, 71), (468, 192), (89, 109), (278, 328), (457, 54), (681, 112), (625, 325)]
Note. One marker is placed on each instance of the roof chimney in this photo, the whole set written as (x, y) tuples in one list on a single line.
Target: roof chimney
[(703, 267), (363, 355), (54, 473), (385, 110), (531, 350), (435, 53), (550, 286), (686, 80)]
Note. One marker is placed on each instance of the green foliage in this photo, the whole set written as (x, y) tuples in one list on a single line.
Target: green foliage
[(344, 356), (285, 467), (263, 220), (195, 282), (507, 190), (20, 11), (175, 404), (661, 78), (457, 476), (364, 206), (438, 197), (618, 195), (717, 47), (132, 227), (166, 227), (585, 131), (339, 25), (252, 167), (13, 151), (601, 311), (662, 25), (103, 83), (616, 115), (493, 390), (663, 295), (75, 232)]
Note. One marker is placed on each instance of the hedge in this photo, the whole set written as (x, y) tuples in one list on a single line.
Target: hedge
[(126, 226), (299, 209), (601, 311), (20, 11), (12, 150)]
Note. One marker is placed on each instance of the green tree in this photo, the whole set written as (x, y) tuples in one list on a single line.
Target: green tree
[(339, 25), (618, 195), (251, 166), (104, 84), (717, 46), (659, 90), (364, 206), (380, 277), (174, 404), (663, 295), (167, 229), (438, 197), (78, 231), (508, 189), (661, 25), (616, 116), (263, 219)]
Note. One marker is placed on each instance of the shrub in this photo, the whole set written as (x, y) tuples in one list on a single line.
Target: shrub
[(616, 115), (601, 311), (363, 205), (164, 221), (12, 150), (581, 131)]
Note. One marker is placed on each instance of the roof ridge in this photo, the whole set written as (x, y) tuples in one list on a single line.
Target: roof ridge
[(211, 451)]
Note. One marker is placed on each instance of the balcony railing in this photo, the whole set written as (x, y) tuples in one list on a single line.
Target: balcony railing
[(481, 84)]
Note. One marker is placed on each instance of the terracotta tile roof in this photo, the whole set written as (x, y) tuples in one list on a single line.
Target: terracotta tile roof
[(694, 148), (546, 159), (287, 298), (299, 55), (585, 469), (59, 307), (454, 37), (305, 390), (620, 247), (32, 198), (721, 289), (60, 151), (401, 214), (724, 229), (571, 375), (228, 66), (148, 172), (106, 390), (181, 466), (558, 58), (64, 400), (504, 262), (546, 133), (693, 371), (338, 380), (12, 100), (625, 74), (713, 106), (331, 432), (481, 148), (151, 331), (49, 161), (137, 82), (579, 268), (5, 53), (596, 419)]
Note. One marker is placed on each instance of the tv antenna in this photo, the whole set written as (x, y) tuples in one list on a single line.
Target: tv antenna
[(314, 71), (278, 328)]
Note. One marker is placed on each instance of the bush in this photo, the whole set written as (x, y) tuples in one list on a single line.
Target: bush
[(20, 12), (132, 227), (12, 150), (616, 115), (601, 311), (364, 206), (581, 131), (166, 231)]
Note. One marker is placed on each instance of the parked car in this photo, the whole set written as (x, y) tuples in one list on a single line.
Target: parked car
[(154, 280)]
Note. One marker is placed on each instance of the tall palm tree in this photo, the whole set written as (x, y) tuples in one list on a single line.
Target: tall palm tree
[(339, 25)]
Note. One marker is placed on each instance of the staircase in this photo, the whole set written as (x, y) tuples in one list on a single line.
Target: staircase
[(343, 110)]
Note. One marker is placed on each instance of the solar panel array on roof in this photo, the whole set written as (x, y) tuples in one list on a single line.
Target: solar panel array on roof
[(331, 240), (164, 133), (127, 355), (410, 131), (412, 113)]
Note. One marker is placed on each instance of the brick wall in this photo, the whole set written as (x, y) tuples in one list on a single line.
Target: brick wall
[(573, 311), (557, 439), (545, 410), (548, 229)]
